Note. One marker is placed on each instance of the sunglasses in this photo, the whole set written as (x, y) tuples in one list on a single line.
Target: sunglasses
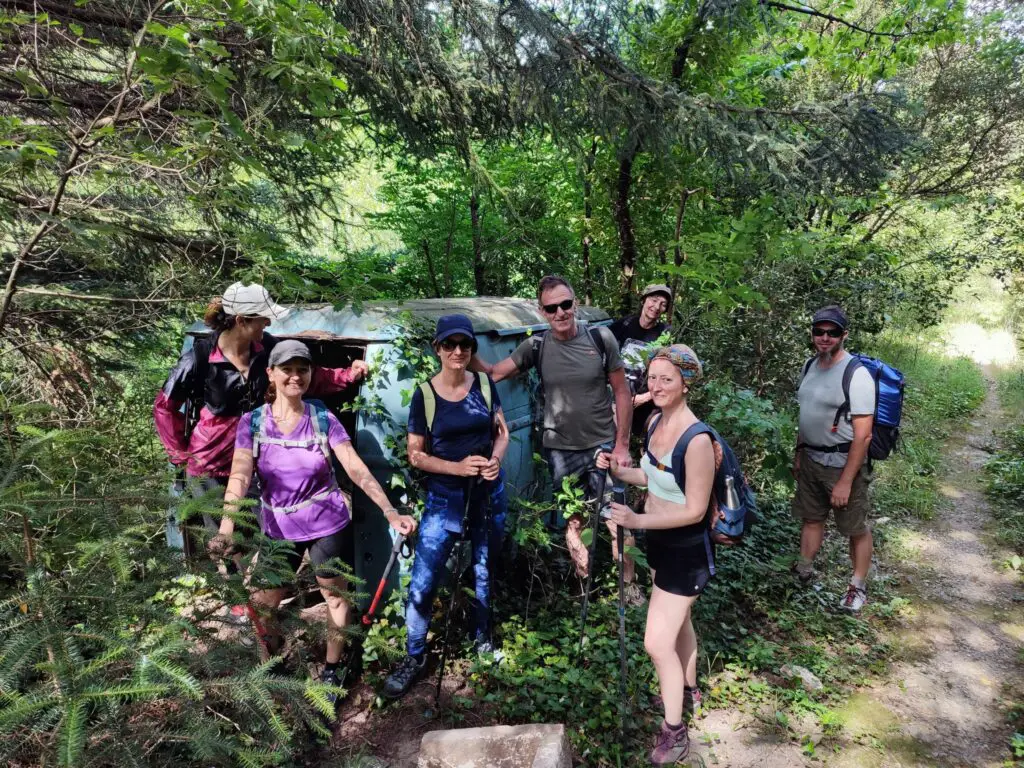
[(466, 345), (832, 333), (565, 306)]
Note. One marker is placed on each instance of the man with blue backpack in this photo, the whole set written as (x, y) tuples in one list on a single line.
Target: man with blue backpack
[(849, 414)]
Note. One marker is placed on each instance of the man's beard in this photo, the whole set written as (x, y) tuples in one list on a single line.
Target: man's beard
[(831, 354)]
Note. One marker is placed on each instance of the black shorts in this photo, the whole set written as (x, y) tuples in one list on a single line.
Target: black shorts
[(324, 554), (682, 565)]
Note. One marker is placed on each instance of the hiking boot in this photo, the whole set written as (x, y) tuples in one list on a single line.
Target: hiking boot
[(330, 677), (692, 702), (854, 598), (404, 676), (672, 745), (635, 596), (483, 645), (804, 571)]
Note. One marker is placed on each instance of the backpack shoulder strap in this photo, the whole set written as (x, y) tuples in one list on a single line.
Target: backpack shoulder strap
[(851, 367), (652, 422), (807, 367), (429, 404), (598, 339), (257, 425), (321, 426), (679, 452), (485, 390), (202, 348), (538, 355)]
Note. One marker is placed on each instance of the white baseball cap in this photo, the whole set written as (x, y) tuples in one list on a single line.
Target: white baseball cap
[(250, 301)]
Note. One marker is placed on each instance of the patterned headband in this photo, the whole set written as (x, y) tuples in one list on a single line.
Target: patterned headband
[(683, 358)]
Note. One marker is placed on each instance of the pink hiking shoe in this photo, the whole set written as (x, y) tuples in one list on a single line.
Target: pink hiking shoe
[(672, 745)]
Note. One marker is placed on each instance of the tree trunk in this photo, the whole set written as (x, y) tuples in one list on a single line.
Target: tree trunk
[(430, 269), (478, 260), (678, 252), (624, 223), (448, 249), (588, 214)]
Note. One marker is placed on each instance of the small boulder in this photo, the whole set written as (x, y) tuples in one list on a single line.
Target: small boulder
[(808, 679)]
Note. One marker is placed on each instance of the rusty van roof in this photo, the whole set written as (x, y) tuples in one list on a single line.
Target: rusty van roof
[(382, 320)]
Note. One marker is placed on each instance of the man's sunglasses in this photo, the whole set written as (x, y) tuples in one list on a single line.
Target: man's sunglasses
[(466, 345), (565, 306), (832, 333)]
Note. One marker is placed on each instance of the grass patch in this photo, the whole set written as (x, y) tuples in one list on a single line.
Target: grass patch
[(1004, 473), (940, 393)]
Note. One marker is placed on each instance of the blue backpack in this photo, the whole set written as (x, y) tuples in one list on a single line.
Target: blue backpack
[(889, 386), (736, 518)]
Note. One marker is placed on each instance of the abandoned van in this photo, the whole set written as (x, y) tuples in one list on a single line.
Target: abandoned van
[(388, 335)]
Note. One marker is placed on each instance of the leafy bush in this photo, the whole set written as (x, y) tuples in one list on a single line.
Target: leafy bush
[(762, 435), (109, 652)]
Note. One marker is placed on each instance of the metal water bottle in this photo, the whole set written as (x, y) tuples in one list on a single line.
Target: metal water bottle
[(732, 498)]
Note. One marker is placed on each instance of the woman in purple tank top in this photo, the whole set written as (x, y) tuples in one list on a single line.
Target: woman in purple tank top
[(290, 447)]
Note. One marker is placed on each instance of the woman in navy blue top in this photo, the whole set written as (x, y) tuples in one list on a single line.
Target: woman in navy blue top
[(457, 437)]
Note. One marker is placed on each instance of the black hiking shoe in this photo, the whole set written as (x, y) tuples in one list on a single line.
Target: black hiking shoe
[(404, 676), (330, 677)]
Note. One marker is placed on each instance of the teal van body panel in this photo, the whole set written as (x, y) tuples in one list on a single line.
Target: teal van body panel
[(336, 336)]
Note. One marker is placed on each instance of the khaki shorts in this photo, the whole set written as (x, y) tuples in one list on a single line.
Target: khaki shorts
[(813, 498)]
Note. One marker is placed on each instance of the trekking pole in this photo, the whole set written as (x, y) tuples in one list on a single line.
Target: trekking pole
[(456, 577), (620, 540), (595, 519), (400, 542)]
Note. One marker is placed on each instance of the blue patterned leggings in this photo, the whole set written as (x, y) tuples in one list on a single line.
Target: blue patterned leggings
[(434, 543)]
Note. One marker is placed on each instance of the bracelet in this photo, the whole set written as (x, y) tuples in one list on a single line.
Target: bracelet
[(389, 510)]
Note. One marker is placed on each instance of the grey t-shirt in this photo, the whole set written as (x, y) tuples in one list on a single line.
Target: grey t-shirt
[(577, 399), (819, 395)]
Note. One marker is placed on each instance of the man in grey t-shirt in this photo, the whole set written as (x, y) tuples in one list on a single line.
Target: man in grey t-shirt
[(830, 462), (578, 415)]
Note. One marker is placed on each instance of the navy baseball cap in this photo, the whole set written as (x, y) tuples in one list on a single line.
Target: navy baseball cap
[(450, 325), (831, 314)]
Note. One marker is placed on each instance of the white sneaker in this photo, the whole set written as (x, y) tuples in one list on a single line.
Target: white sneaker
[(854, 598)]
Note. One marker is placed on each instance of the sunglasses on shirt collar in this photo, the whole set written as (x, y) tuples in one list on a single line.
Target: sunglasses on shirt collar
[(832, 333), (565, 306)]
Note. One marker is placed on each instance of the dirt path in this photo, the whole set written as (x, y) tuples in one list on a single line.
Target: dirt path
[(959, 651)]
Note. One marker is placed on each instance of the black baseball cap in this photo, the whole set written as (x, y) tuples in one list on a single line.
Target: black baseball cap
[(831, 314)]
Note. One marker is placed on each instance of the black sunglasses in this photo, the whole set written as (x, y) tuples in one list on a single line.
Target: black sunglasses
[(466, 345), (832, 333), (565, 306)]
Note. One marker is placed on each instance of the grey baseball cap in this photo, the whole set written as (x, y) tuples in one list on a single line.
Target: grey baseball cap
[(289, 349)]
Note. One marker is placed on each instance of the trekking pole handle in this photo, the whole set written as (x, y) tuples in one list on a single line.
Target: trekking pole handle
[(400, 542)]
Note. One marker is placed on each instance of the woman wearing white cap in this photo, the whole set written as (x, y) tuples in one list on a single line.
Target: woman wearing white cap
[(222, 377)]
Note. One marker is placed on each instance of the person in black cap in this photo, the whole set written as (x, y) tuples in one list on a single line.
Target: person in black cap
[(830, 463), (457, 437), (636, 335)]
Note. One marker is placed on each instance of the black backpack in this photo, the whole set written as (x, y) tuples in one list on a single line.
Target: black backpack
[(735, 521)]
